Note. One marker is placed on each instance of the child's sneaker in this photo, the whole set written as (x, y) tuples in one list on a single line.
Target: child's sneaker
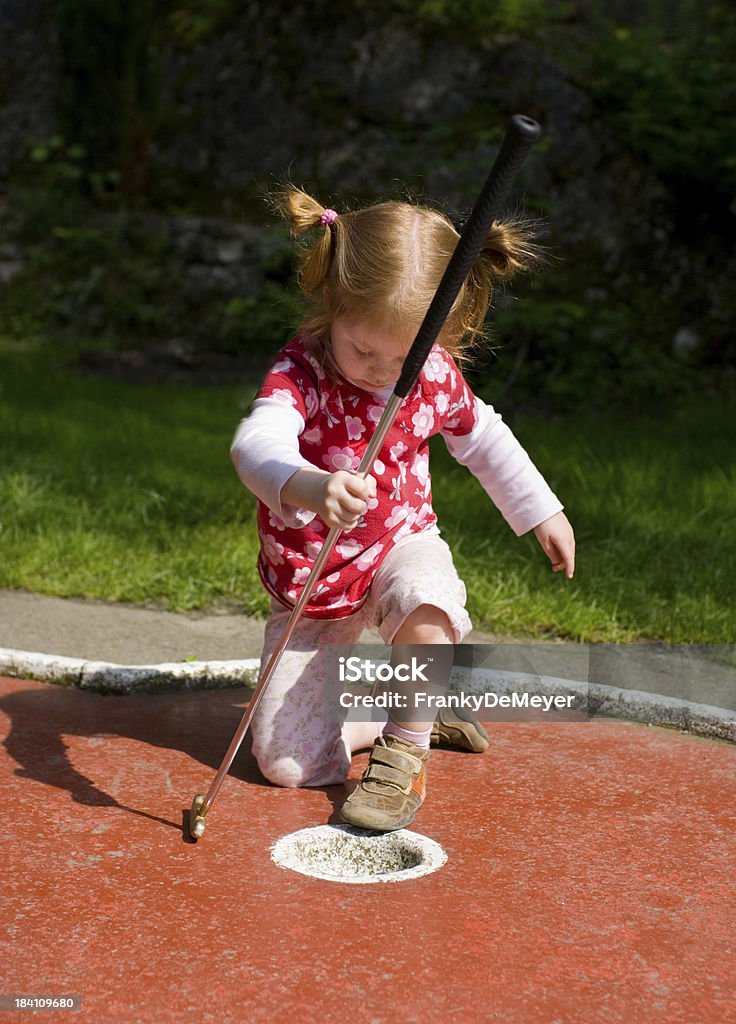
[(458, 728), (392, 787)]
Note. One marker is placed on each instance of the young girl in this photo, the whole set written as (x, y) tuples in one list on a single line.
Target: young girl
[(368, 277)]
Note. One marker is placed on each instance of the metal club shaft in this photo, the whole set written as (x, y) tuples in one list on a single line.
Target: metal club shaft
[(384, 425)]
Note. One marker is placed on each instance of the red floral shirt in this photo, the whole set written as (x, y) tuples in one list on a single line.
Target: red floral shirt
[(339, 420)]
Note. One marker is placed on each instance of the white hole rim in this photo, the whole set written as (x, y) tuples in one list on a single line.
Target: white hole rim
[(433, 855)]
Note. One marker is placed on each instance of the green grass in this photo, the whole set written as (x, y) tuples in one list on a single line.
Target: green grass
[(652, 503), (127, 493), (120, 492)]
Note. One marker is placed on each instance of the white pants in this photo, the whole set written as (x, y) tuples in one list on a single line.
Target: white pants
[(298, 736)]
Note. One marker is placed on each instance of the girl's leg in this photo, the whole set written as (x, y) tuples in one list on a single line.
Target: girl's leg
[(297, 731), (426, 625), (418, 603), (418, 572), (418, 600), (427, 635)]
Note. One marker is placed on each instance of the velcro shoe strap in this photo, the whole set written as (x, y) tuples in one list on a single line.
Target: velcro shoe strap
[(397, 759), (385, 773)]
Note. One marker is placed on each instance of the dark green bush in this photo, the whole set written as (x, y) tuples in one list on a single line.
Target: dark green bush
[(261, 323), (558, 355), (109, 88), (668, 85)]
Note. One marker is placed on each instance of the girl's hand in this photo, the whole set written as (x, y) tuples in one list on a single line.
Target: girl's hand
[(343, 498), (558, 543)]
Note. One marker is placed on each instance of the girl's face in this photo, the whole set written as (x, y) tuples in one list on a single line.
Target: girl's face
[(366, 356)]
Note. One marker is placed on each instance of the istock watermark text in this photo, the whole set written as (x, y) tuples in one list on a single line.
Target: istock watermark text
[(422, 701)]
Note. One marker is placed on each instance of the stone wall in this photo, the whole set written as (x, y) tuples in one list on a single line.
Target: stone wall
[(370, 105), (29, 78)]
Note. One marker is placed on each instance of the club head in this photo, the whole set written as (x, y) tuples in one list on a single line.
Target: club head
[(196, 820)]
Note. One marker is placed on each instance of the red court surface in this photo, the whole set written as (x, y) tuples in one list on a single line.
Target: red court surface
[(591, 876)]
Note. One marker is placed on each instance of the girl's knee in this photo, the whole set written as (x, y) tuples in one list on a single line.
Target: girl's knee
[(427, 624), (293, 774), (282, 771)]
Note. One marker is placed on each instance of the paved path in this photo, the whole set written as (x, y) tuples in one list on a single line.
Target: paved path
[(590, 873), (590, 876), (122, 633)]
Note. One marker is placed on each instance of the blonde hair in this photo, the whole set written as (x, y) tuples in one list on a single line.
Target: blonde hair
[(381, 266)]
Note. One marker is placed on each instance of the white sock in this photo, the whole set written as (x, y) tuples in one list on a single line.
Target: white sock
[(419, 739)]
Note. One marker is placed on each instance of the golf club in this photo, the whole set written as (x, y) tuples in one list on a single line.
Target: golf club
[(520, 136)]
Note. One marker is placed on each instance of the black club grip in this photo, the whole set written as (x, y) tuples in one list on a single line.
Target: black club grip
[(520, 136)]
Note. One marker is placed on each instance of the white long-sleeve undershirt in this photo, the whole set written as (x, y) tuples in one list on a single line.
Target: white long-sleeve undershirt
[(265, 451)]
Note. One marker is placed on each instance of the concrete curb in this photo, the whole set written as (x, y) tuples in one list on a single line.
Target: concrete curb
[(106, 677), (607, 701), (602, 700)]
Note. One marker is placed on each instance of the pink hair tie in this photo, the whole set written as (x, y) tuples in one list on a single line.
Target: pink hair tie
[(328, 217)]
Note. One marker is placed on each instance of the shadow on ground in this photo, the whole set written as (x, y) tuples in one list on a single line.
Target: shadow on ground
[(200, 725)]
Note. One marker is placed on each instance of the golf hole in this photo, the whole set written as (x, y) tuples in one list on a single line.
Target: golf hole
[(341, 853)]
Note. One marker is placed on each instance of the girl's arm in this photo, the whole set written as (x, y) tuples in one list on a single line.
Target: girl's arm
[(340, 498), (500, 463), (265, 451), (558, 543), (514, 484)]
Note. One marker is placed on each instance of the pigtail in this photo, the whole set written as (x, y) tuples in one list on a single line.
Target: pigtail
[(304, 214), (510, 248)]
